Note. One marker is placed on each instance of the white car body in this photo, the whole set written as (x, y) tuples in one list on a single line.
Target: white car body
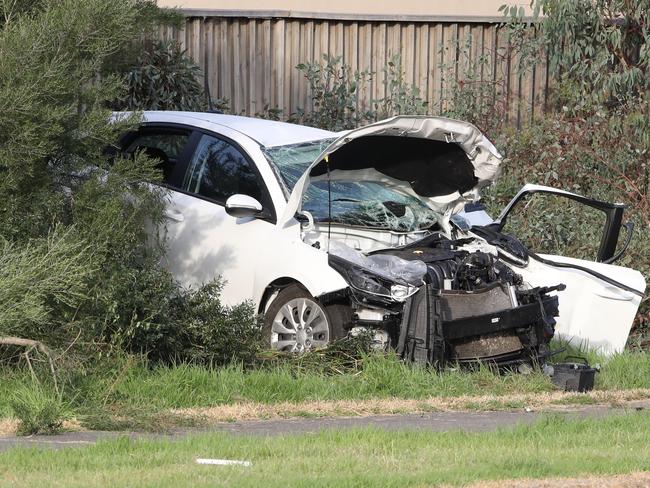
[(253, 255)]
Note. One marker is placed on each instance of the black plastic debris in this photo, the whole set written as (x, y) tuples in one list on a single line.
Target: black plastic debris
[(574, 376)]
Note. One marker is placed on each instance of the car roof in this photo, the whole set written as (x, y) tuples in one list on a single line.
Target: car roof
[(267, 133)]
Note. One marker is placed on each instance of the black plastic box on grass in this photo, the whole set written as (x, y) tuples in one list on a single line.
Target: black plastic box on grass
[(574, 376)]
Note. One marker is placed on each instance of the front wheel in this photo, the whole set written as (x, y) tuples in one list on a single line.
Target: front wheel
[(296, 322)]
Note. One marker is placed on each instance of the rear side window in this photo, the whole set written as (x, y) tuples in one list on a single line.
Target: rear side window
[(164, 145), (219, 170)]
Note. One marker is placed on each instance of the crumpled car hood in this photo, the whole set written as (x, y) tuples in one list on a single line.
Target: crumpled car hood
[(443, 162)]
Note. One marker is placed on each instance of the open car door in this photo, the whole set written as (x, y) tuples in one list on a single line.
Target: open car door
[(598, 306)]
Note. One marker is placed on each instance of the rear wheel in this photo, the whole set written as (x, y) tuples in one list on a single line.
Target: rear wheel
[(296, 322)]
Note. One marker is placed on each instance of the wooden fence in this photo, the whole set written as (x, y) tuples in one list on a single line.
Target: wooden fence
[(252, 61)]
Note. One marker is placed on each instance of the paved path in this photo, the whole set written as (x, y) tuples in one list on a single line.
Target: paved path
[(433, 422)]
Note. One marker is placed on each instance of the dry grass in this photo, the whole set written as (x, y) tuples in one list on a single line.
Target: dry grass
[(243, 411), (632, 480), (9, 426), (550, 401)]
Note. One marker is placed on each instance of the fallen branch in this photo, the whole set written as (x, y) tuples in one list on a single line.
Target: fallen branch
[(30, 345)]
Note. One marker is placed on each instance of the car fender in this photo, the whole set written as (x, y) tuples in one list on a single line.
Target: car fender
[(293, 259)]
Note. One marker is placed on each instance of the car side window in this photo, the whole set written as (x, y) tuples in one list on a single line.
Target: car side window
[(163, 145), (219, 170)]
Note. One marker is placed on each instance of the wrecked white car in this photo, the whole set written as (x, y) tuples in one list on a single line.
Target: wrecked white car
[(377, 228)]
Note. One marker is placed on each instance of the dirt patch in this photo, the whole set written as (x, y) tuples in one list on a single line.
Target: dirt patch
[(551, 401), (9, 427), (633, 480)]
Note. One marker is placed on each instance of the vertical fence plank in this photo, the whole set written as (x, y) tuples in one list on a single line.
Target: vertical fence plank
[(253, 69), (434, 95), (407, 52), (265, 53), (365, 62), (421, 76), (225, 63), (378, 61), (306, 53), (277, 66), (295, 77)]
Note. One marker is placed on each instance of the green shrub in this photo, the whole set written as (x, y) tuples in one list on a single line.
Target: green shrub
[(401, 98), (77, 265), (593, 156), (39, 409), (335, 93), (193, 326), (163, 77)]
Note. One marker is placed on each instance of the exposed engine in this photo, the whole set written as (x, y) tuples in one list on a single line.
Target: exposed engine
[(470, 306)]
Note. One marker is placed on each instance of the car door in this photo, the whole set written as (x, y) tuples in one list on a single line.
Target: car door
[(598, 306), (204, 242)]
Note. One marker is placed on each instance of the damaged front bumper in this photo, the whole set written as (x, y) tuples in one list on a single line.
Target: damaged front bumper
[(469, 306), (492, 325)]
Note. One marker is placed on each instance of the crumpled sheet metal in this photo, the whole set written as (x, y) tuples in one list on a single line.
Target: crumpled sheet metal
[(484, 157), (387, 266)]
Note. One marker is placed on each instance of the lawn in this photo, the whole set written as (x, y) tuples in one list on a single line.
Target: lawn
[(368, 457), (133, 396)]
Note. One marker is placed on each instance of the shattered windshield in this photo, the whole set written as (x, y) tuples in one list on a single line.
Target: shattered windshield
[(363, 203)]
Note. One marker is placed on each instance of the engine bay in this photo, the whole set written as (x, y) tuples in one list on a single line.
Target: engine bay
[(442, 300)]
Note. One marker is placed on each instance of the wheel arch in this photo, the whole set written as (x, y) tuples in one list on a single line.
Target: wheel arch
[(273, 288)]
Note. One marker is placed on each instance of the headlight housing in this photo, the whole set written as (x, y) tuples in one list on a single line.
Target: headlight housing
[(368, 282)]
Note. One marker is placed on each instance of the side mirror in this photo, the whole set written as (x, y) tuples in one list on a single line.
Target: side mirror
[(242, 206)]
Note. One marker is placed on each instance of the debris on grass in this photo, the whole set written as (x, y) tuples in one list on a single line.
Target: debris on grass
[(224, 462)]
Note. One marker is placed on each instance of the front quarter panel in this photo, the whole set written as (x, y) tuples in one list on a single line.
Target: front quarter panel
[(285, 255)]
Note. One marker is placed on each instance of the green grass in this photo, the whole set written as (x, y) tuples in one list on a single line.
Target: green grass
[(186, 385), (189, 386), (139, 395), (367, 457)]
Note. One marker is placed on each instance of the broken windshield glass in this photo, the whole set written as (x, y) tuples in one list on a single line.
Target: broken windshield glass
[(363, 203)]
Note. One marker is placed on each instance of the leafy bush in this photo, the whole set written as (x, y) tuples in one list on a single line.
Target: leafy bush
[(604, 55), (36, 278), (39, 409), (164, 77), (195, 326), (77, 265), (335, 91), (597, 141), (401, 98)]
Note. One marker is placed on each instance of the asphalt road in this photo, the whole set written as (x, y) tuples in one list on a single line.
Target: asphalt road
[(432, 422)]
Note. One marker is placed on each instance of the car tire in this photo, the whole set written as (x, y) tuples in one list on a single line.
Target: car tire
[(296, 322)]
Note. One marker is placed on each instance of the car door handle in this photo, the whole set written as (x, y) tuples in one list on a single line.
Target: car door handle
[(174, 215)]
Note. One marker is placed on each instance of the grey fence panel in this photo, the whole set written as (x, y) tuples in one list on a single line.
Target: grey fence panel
[(251, 61)]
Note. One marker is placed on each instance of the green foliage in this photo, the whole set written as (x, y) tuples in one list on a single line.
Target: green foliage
[(78, 269), (594, 156), (269, 113), (163, 77), (401, 98), (597, 141), (601, 49), (39, 409), (39, 277), (474, 95), (335, 93), (194, 326)]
